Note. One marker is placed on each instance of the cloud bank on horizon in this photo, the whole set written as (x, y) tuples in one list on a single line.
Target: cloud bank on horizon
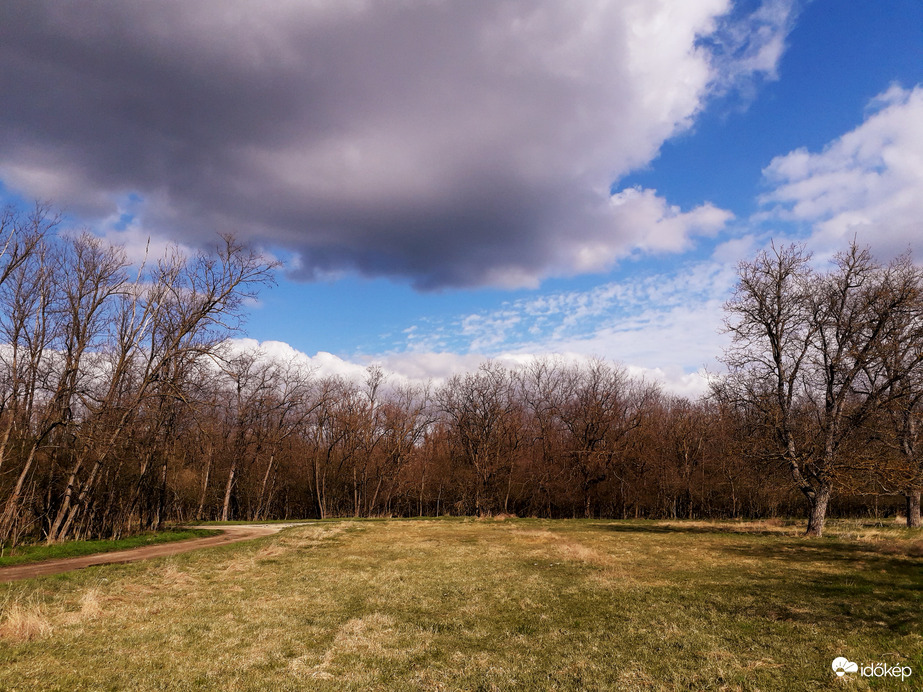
[(442, 143)]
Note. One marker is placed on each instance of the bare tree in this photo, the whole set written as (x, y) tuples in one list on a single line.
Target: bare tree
[(804, 343)]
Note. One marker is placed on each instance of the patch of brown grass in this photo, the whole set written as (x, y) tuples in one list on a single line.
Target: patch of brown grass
[(573, 550), (24, 622), (270, 551), (90, 605), (373, 636), (171, 575), (539, 539)]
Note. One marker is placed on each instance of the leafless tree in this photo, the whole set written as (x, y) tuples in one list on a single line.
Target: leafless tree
[(803, 346)]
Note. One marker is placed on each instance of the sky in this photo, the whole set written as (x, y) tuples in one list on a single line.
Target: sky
[(446, 181)]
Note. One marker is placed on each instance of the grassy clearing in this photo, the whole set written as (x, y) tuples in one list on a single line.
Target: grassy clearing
[(23, 554), (482, 605)]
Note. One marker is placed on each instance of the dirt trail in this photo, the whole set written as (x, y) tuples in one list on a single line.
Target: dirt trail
[(230, 534)]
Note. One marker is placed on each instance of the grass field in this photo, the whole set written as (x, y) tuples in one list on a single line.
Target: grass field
[(24, 554), (483, 605)]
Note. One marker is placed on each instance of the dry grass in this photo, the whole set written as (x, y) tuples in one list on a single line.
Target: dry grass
[(479, 605), (371, 637), (90, 605), (24, 622)]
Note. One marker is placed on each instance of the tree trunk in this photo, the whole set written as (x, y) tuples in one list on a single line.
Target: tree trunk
[(319, 483), (422, 489), (817, 513), (162, 494), (374, 503), (11, 511), (82, 500), (228, 491), (200, 512), (262, 498), (5, 441), (913, 509)]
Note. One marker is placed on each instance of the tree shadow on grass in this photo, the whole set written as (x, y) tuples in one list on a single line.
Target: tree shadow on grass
[(792, 528), (853, 583), (638, 526)]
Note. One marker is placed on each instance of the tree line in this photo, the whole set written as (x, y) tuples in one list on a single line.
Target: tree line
[(124, 405)]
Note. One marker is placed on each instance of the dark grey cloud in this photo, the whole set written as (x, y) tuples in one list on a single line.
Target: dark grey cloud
[(447, 142)]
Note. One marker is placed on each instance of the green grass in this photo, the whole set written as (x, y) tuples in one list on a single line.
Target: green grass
[(23, 554), (482, 605)]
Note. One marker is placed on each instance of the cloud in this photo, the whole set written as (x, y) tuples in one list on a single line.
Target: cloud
[(321, 364), (434, 368), (865, 184), (747, 44), (443, 142), (428, 366), (666, 323), (666, 326)]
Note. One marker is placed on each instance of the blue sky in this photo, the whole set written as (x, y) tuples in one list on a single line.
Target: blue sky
[(452, 181)]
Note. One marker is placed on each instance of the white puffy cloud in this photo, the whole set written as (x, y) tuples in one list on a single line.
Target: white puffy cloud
[(321, 364), (449, 143), (865, 184), (655, 226)]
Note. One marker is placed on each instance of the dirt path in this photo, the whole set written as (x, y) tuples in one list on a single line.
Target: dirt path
[(230, 534)]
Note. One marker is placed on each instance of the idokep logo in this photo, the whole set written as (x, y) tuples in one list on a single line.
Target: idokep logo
[(842, 665)]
